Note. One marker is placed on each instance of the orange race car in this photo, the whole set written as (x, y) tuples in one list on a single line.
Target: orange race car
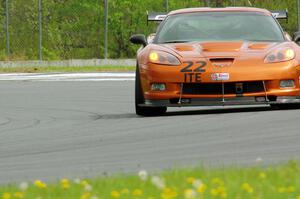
[(216, 56)]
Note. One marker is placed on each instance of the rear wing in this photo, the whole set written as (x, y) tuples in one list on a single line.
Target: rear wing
[(160, 16), (156, 16), (280, 14)]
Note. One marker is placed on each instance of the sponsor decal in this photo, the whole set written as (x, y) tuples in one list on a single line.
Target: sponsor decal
[(220, 76)]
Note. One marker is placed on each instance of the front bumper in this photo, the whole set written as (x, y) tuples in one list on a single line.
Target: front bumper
[(241, 72), (221, 101)]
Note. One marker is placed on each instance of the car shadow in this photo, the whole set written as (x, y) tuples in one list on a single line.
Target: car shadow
[(217, 110)]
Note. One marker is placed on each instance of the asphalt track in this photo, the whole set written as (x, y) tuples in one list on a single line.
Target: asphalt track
[(75, 129)]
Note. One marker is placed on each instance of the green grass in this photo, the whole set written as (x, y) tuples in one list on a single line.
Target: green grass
[(66, 69), (278, 182)]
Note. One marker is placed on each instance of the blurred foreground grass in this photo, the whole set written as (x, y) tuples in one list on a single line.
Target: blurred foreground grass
[(258, 182), (66, 69)]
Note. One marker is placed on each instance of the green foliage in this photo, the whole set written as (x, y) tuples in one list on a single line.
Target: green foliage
[(55, 69), (257, 182), (74, 29)]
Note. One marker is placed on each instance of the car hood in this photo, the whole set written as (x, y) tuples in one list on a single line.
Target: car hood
[(223, 49)]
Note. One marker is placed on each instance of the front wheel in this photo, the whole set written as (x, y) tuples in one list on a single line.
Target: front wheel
[(139, 99)]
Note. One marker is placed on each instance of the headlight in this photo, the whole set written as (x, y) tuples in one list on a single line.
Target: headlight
[(161, 57), (280, 55)]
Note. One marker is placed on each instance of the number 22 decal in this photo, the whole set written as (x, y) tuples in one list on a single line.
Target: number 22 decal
[(190, 64)]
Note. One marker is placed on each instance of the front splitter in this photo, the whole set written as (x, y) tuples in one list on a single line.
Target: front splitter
[(220, 102)]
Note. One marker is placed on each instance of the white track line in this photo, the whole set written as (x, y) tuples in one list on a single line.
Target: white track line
[(85, 80), (67, 77)]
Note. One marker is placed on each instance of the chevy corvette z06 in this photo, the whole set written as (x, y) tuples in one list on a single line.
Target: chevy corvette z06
[(216, 56)]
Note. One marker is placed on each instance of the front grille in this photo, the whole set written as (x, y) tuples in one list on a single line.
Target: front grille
[(216, 88)]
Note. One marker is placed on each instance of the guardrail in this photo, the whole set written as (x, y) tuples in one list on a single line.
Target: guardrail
[(72, 62)]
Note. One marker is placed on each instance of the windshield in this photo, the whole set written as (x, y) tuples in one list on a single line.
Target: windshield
[(219, 26)]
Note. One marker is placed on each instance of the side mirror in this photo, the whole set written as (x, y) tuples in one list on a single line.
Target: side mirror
[(139, 39), (296, 38)]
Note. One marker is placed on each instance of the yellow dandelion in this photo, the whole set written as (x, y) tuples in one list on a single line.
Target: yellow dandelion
[(247, 188), (222, 192), (281, 189), (290, 189), (217, 181), (84, 183), (40, 184), (137, 192), (18, 195), (223, 195), (221, 189), (190, 194), (125, 191), (214, 192), (168, 194), (262, 175), (6, 196), (190, 180), (65, 183), (201, 188), (115, 194), (86, 195)]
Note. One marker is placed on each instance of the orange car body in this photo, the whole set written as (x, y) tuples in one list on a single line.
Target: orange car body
[(219, 72)]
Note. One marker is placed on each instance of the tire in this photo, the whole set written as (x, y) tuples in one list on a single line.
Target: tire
[(285, 106), (139, 99)]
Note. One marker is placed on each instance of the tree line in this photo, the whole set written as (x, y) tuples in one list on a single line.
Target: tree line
[(74, 29)]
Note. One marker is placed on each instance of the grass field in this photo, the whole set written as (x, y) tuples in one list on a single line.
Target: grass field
[(278, 182), (66, 69)]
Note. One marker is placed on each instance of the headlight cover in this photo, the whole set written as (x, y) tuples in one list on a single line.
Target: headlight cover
[(280, 55), (161, 57)]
